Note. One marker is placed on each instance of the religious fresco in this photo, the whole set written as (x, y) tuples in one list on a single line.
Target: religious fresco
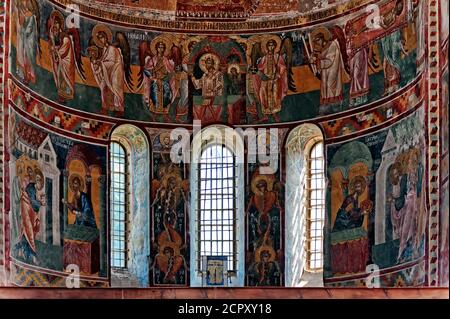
[(376, 199), (265, 223), (178, 78), (57, 201), (170, 204), (168, 77)]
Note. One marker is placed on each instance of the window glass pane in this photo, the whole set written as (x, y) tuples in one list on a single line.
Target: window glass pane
[(316, 205), (118, 204), (216, 204)]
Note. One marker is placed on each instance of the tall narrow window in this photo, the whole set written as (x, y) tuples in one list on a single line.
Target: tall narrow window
[(217, 205), (119, 205), (315, 208)]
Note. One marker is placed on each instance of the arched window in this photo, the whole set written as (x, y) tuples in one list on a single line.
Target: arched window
[(217, 204), (119, 205), (129, 204), (305, 206), (315, 202)]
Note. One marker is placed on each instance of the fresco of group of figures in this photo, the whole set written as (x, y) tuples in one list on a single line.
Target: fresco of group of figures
[(57, 199), (170, 191), (244, 79), (377, 199)]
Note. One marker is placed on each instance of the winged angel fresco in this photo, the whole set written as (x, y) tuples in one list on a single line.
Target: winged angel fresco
[(160, 61), (111, 66), (271, 69)]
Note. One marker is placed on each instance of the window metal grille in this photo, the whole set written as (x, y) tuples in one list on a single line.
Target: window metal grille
[(316, 208), (217, 205), (119, 205)]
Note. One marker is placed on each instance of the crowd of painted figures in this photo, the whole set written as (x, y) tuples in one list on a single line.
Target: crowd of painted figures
[(252, 76)]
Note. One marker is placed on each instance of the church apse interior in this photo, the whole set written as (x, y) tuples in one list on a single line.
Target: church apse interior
[(224, 144)]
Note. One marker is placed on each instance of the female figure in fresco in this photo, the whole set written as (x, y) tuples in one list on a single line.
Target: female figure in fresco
[(65, 53), (28, 39), (111, 67), (406, 190)]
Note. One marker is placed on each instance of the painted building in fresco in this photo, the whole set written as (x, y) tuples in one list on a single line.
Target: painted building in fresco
[(78, 75)]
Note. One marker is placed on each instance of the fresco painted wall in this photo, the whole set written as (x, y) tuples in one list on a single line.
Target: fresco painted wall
[(376, 201), (81, 82), (169, 212), (265, 218), (58, 209), (246, 79)]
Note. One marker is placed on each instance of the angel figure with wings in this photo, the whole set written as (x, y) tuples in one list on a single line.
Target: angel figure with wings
[(110, 63), (272, 72), (28, 39), (160, 60), (65, 54)]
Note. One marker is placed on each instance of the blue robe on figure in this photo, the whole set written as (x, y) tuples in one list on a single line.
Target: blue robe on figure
[(348, 220), (84, 206)]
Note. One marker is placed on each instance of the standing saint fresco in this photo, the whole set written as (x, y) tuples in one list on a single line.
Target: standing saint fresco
[(31, 199), (28, 39), (110, 63), (328, 60), (272, 73), (65, 54)]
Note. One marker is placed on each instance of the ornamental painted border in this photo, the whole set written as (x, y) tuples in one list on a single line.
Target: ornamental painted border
[(255, 26), (2, 134), (433, 140)]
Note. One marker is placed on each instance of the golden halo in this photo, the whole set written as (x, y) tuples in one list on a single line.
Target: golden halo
[(101, 28), (206, 56), (266, 249), (57, 15), (72, 177), (356, 179), (266, 39), (236, 66), (170, 244), (321, 30), (267, 178), (162, 136), (164, 39)]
